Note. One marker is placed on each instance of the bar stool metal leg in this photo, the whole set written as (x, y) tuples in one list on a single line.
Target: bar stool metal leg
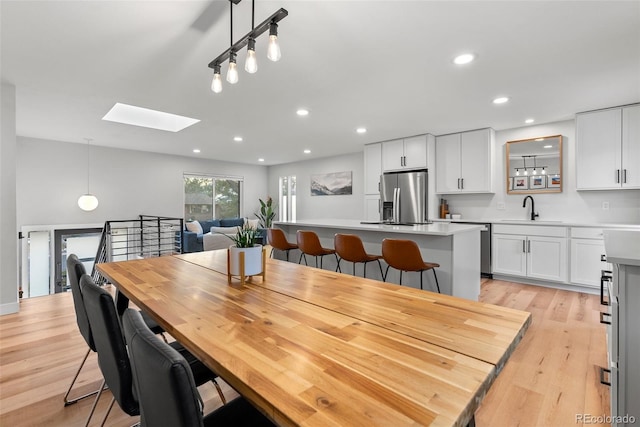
[(436, 277)]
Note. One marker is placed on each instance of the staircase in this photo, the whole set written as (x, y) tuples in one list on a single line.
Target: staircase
[(145, 237)]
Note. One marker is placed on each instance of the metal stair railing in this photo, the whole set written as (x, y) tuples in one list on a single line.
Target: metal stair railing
[(145, 237)]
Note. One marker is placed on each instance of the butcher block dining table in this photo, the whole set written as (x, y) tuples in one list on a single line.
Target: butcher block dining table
[(311, 347)]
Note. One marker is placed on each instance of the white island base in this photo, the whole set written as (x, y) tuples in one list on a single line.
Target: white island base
[(456, 247)]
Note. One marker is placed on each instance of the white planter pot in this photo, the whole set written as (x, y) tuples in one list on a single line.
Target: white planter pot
[(252, 260)]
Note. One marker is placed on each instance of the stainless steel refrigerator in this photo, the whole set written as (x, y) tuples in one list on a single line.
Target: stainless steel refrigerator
[(404, 197)]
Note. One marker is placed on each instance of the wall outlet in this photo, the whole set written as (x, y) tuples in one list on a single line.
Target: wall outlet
[(501, 206), (605, 206)]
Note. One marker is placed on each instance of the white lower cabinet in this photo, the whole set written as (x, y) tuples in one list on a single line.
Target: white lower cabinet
[(587, 256), (537, 252)]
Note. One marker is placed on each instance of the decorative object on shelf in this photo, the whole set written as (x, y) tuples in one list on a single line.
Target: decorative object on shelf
[(88, 202), (245, 258), (332, 184), (251, 64), (266, 214)]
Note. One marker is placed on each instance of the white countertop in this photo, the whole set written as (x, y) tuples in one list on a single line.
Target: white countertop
[(435, 229), (540, 222), (622, 246)]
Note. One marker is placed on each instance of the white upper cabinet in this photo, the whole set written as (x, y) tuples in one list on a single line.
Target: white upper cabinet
[(407, 153), (464, 162), (372, 168), (608, 149)]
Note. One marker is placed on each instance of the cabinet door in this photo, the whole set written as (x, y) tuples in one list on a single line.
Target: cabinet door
[(547, 258), (392, 155), (585, 261), (631, 147), (598, 149), (372, 207), (508, 254), (476, 161), (372, 168), (415, 152), (448, 163)]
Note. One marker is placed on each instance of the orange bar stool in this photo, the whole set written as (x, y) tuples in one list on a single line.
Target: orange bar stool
[(404, 255), (278, 240), (309, 244), (349, 247)]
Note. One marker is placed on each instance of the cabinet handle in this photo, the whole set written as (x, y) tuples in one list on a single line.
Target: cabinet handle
[(603, 258), (604, 322), (528, 246), (604, 371), (604, 277), (524, 248), (462, 183), (379, 205), (458, 183), (617, 176), (624, 176)]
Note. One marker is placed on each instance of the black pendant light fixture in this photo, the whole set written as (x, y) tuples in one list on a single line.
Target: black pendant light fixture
[(249, 40)]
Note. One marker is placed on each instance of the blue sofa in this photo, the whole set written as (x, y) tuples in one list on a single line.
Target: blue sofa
[(192, 242)]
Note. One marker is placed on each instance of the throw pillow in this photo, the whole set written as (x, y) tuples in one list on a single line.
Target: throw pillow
[(195, 227), (252, 223), (224, 230)]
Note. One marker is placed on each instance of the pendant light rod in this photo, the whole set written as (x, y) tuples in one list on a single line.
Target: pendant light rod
[(253, 14), (88, 164), (255, 33)]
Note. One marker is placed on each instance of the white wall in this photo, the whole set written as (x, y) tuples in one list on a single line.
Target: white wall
[(318, 207), (8, 228), (51, 175), (570, 205)]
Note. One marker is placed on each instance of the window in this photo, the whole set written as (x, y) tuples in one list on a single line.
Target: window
[(209, 197), (287, 198)]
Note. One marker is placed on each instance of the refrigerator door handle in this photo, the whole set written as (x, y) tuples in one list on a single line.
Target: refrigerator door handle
[(396, 204)]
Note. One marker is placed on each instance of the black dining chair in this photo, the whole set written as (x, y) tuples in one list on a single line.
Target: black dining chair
[(113, 358), (166, 388)]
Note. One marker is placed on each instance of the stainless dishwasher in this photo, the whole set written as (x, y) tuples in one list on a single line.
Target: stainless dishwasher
[(485, 248)]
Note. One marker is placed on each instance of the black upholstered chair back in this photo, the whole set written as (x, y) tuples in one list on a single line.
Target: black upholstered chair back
[(164, 381), (75, 270), (110, 346)]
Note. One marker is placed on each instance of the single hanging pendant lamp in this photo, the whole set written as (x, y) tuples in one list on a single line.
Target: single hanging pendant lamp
[(88, 202)]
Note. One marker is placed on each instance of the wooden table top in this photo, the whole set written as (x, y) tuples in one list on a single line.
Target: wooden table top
[(300, 362), (483, 331)]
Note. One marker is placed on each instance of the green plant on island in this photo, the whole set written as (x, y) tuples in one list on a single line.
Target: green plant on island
[(267, 213)]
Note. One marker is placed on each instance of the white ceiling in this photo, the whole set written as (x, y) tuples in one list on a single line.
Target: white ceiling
[(385, 65)]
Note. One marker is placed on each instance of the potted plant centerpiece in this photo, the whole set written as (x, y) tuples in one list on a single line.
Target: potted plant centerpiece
[(245, 257)]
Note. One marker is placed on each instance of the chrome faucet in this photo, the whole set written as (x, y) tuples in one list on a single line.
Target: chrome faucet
[(533, 209)]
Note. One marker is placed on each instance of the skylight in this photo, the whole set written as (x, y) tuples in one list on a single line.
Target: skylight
[(144, 117)]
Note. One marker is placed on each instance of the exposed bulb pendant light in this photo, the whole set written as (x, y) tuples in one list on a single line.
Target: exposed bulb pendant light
[(232, 72), (534, 166), (88, 202), (249, 40), (544, 172), (216, 84), (517, 172), (251, 64), (273, 51), (524, 161)]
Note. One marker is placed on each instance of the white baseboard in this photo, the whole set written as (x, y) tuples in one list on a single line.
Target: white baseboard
[(10, 308), (564, 286)]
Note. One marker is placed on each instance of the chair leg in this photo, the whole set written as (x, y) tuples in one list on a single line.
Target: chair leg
[(95, 403), (106, 415), (271, 253), (66, 396), (364, 272), (400, 278), (222, 398), (436, 277), (421, 271), (381, 273), (287, 252), (384, 276), (338, 267), (338, 259), (302, 255)]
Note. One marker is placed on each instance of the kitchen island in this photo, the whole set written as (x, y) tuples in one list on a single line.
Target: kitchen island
[(456, 247)]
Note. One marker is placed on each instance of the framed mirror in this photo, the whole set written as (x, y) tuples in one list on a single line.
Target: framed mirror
[(534, 165)]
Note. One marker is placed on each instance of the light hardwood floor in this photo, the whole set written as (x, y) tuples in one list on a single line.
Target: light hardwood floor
[(551, 377)]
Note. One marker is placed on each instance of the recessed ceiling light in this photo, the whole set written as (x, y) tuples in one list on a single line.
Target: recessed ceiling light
[(144, 117), (237, 138), (548, 146), (307, 151), (195, 150), (501, 100), (261, 159), (302, 112), (529, 121), (464, 59), (361, 130)]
